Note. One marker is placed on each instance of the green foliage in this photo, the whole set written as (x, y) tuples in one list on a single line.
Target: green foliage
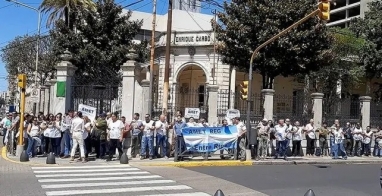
[(100, 42), (19, 56), (370, 28), (244, 25)]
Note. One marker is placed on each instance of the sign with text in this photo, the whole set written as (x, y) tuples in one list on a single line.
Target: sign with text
[(232, 113), (209, 139), (193, 39), (88, 111), (192, 113)]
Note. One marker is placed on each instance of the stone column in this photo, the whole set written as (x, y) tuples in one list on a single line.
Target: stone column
[(138, 101), (146, 96), (268, 103), (42, 99), (212, 104), (46, 98), (232, 88), (317, 109), (365, 111), (65, 72), (128, 86), (52, 95)]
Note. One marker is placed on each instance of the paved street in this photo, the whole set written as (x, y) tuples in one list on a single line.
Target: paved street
[(295, 180)]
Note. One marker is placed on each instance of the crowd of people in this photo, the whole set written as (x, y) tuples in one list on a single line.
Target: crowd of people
[(108, 136)]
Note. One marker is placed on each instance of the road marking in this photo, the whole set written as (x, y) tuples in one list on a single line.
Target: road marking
[(119, 190), (80, 185), (92, 174), (83, 167), (183, 194), (83, 171), (99, 179)]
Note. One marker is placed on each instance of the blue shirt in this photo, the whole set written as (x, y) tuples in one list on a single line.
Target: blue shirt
[(136, 124), (178, 126)]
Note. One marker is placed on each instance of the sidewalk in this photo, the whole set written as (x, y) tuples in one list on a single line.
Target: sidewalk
[(212, 161)]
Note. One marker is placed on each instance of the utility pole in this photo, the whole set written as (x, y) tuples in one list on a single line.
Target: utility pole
[(152, 51), (167, 60), (214, 58)]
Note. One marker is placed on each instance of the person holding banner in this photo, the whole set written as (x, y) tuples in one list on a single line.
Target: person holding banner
[(147, 138), (241, 140)]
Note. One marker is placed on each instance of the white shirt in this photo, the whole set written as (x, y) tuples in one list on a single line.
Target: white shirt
[(56, 130), (161, 127), (189, 124), (77, 125), (34, 130), (147, 126), (338, 136), (115, 129), (86, 133), (367, 138), (357, 134), (241, 128), (310, 129), (297, 136), (281, 132), (289, 134)]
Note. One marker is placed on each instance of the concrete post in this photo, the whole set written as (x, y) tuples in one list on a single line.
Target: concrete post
[(52, 95), (138, 92), (46, 98), (317, 109), (213, 104), (365, 111), (42, 99), (268, 103), (65, 72), (232, 88), (128, 86), (146, 97)]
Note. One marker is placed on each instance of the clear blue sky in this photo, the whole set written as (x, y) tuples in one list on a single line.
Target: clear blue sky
[(17, 21)]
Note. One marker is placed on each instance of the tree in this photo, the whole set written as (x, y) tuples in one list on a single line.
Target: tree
[(244, 25), (100, 42), (370, 28), (64, 9), (19, 56)]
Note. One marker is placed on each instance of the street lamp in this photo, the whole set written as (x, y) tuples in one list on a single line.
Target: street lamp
[(38, 33)]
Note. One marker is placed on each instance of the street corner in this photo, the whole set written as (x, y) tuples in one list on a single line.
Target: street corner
[(16, 160), (198, 163)]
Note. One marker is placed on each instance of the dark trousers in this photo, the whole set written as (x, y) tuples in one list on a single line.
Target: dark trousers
[(296, 148), (126, 144), (282, 148), (310, 145), (88, 146), (324, 146), (348, 145), (47, 144), (180, 146), (113, 145), (135, 145), (357, 145), (367, 149), (162, 145), (96, 145), (56, 145), (103, 148)]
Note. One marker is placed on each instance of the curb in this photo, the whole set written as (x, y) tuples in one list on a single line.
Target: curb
[(5, 157)]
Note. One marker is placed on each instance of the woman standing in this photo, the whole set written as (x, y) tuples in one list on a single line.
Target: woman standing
[(87, 139), (56, 135), (33, 132), (296, 139), (45, 137)]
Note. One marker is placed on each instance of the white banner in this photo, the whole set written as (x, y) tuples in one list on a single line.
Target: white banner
[(88, 111), (192, 112), (232, 113)]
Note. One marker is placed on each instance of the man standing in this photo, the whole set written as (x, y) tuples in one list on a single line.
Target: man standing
[(310, 138), (241, 137), (161, 128), (136, 127), (338, 141), (66, 127), (148, 137), (288, 136), (263, 135), (357, 136), (101, 136), (280, 134), (77, 130), (126, 135), (178, 136), (323, 139), (6, 125), (115, 133)]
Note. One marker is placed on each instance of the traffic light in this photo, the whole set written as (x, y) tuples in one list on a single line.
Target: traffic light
[(244, 90), (324, 7), (22, 80)]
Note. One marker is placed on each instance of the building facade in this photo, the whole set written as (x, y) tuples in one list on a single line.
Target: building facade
[(346, 10)]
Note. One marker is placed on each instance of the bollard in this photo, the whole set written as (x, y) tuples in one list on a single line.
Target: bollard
[(219, 193), (124, 159), (51, 158), (24, 157), (310, 193)]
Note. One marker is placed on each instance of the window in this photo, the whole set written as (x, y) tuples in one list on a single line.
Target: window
[(201, 96)]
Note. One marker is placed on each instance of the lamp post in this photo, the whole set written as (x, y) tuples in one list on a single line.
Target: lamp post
[(38, 33)]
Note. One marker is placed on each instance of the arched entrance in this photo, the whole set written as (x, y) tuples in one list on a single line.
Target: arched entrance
[(191, 89)]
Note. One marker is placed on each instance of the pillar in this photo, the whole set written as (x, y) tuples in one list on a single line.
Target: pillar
[(317, 109), (146, 97), (42, 99), (268, 103), (232, 87), (213, 104), (128, 86), (52, 95), (138, 93), (46, 98), (65, 72), (365, 111)]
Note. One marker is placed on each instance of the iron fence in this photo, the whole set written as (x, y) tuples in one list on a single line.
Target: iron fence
[(375, 113), (345, 110)]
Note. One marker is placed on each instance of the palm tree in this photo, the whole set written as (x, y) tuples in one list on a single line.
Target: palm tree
[(59, 9)]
